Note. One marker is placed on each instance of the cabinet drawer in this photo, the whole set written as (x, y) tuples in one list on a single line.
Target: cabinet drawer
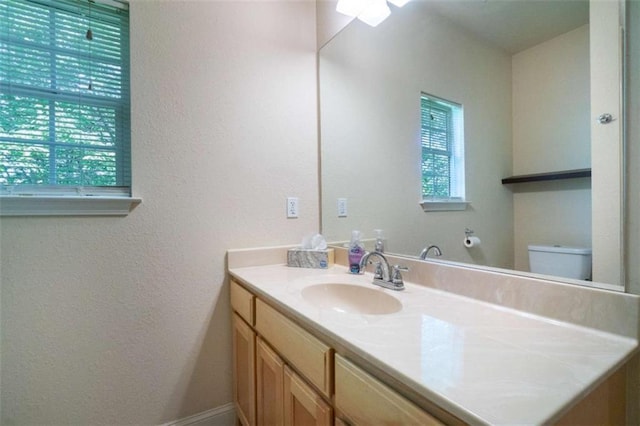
[(242, 302), (365, 400), (306, 353)]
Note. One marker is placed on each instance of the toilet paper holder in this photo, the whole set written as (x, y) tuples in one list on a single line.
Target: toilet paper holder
[(469, 240)]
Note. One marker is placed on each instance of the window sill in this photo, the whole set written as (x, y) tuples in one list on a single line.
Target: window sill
[(66, 205), (444, 205)]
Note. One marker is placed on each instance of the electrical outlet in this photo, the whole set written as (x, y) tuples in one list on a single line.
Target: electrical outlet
[(292, 207), (342, 207)]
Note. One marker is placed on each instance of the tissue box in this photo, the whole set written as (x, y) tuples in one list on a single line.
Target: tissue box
[(310, 258)]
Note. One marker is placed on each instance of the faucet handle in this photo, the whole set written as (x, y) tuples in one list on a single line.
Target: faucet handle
[(396, 276)]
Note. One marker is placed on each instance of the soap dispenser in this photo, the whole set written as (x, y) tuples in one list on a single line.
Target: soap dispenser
[(356, 251), (379, 247)]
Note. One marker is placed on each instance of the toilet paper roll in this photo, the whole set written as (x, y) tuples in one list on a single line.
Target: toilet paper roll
[(471, 242)]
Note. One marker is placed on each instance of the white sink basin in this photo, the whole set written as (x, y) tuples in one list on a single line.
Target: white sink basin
[(351, 299)]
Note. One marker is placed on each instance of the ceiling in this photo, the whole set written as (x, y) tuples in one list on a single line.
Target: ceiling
[(514, 25)]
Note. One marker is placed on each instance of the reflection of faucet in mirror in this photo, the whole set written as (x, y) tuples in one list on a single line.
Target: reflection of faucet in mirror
[(383, 276), (425, 252)]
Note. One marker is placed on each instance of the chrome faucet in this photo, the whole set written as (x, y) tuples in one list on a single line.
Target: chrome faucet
[(384, 276), (425, 252)]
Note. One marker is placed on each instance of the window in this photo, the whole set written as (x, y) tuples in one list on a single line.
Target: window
[(442, 153), (64, 98)]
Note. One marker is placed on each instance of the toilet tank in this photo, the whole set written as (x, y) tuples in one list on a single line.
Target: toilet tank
[(563, 261)]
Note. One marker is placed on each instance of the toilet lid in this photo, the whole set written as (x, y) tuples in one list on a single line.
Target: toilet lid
[(560, 249)]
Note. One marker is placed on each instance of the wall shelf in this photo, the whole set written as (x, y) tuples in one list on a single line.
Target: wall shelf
[(538, 177)]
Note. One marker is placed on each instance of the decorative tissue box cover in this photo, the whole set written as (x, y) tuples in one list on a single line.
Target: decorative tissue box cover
[(310, 258)]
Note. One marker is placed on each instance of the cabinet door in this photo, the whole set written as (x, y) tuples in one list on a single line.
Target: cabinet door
[(302, 405), (244, 371), (270, 386)]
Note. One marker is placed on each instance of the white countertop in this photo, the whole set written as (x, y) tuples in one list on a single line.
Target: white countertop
[(483, 363)]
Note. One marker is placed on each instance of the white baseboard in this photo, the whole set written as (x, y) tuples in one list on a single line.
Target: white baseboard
[(220, 416)]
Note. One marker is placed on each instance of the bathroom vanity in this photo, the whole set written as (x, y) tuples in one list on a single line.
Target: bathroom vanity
[(457, 346)]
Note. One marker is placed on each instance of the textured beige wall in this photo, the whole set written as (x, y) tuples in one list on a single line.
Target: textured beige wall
[(551, 105), (551, 132), (371, 81), (126, 320)]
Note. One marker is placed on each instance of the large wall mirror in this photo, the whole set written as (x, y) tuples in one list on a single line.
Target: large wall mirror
[(523, 73)]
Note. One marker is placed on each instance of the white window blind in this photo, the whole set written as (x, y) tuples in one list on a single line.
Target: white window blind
[(64, 97), (442, 149)]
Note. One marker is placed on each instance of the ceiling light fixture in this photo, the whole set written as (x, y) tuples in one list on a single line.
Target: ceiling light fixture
[(371, 12)]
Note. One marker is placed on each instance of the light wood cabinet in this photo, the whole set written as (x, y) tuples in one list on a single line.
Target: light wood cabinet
[(302, 405), (270, 386), (244, 344), (365, 400)]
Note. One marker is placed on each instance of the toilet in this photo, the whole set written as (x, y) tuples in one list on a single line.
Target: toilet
[(562, 261)]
